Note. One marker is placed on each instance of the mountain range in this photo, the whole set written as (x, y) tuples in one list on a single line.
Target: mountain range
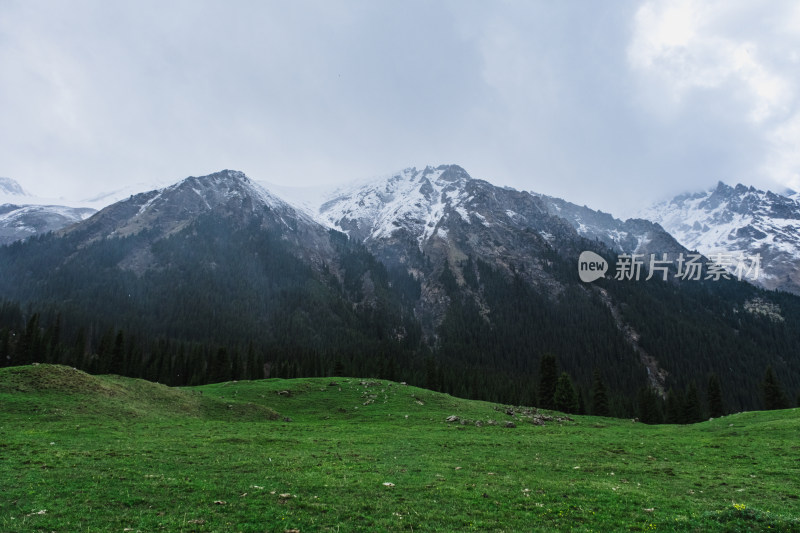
[(732, 221), (428, 275), (739, 220)]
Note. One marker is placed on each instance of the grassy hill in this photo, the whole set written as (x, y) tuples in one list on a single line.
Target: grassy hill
[(105, 453)]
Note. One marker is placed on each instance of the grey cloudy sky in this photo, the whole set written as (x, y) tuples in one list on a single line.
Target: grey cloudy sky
[(611, 104)]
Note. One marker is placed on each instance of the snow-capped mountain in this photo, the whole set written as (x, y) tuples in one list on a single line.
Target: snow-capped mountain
[(739, 220), (228, 194), (23, 215), (435, 220), (423, 204), (413, 200), (21, 222)]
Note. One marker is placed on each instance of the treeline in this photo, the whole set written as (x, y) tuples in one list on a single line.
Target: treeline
[(31, 337), (46, 337)]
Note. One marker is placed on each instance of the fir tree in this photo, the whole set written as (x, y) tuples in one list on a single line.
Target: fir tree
[(581, 401), (649, 406), (116, 364), (28, 344), (219, 367), (774, 397), (565, 398), (5, 345), (548, 378), (716, 408), (691, 405), (599, 396), (674, 408)]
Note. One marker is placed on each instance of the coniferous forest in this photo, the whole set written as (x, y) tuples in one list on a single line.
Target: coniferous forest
[(228, 295)]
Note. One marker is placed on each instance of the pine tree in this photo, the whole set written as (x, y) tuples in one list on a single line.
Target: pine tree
[(116, 363), (716, 408), (599, 396), (649, 406), (431, 381), (565, 398), (219, 367), (581, 401), (5, 347), (674, 408), (548, 378), (774, 397), (338, 368), (28, 344), (691, 405)]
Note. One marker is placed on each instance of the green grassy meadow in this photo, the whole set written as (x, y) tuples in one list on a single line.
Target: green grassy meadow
[(81, 453)]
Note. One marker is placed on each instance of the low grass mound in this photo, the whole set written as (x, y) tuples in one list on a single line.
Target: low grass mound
[(54, 378), (60, 391), (350, 454), (334, 400)]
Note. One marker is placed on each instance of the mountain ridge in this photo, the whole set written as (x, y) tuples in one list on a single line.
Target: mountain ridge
[(23, 215), (733, 220)]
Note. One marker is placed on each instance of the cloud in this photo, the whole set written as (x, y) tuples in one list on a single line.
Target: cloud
[(612, 105), (741, 55)]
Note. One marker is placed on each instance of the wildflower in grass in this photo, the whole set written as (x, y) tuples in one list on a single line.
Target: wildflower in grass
[(739, 506)]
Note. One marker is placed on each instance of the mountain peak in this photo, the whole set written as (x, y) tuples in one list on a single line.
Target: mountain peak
[(740, 219), (228, 193), (227, 175), (413, 199), (452, 173), (11, 187)]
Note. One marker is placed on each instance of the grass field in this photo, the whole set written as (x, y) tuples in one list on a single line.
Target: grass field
[(81, 453)]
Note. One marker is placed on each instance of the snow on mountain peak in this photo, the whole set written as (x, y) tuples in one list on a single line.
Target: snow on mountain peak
[(412, 199), (11, 188), (208, 192), (734, 220)]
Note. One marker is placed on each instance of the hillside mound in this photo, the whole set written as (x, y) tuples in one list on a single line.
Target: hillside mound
[(62, 390)]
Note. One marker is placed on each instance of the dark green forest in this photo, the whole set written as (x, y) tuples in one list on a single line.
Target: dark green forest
[(225, 300)]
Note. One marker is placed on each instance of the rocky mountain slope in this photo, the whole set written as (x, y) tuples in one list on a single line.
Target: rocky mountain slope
[(227, 195), (444, 214), (439, 221), (632, 236), (739, 220)]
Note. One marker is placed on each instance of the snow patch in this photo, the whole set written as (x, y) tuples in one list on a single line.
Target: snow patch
[(416, 200)]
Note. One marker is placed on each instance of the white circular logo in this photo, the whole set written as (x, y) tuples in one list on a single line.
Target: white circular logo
[(591, 266)]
